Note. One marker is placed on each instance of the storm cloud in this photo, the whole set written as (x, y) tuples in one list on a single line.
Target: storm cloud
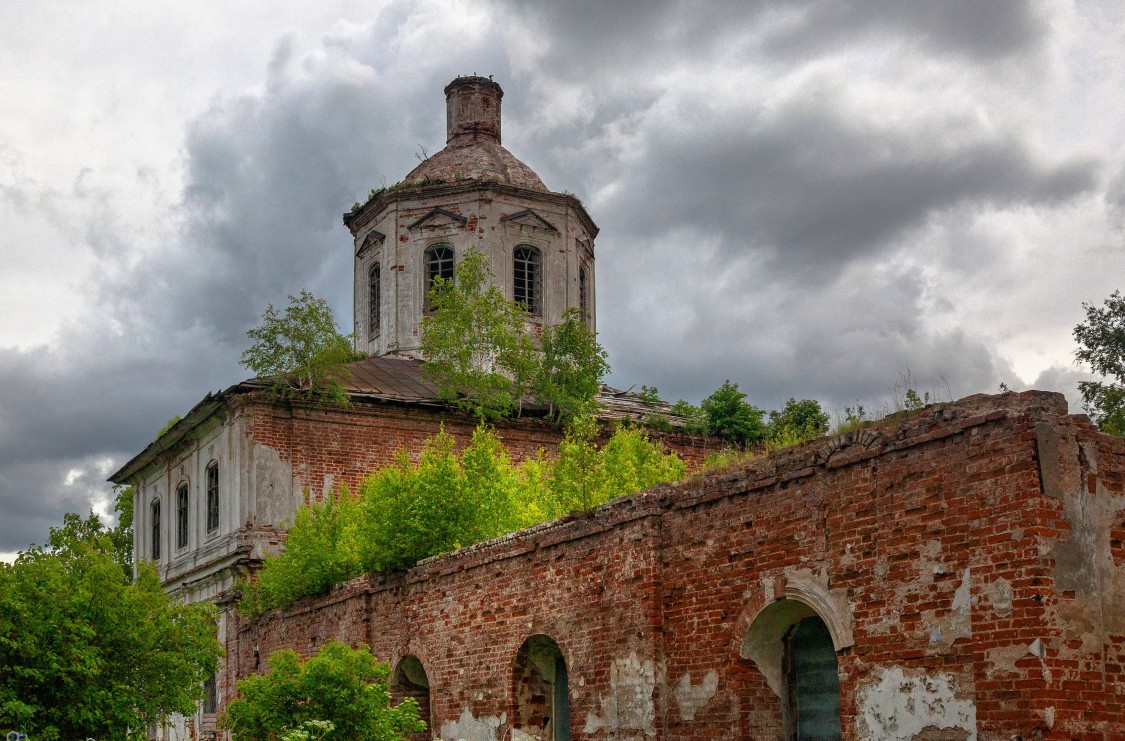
[(813, 199)]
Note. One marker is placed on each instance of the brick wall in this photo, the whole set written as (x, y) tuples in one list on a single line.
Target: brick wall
[(328, 446), (967, 560)]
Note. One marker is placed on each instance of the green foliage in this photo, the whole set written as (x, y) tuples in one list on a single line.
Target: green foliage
[(84, 653), (401, 185), (732, 418), (1101, 345), (851, 418), (406, 512), (585, 476), (571, 367), (475, 344), (122, 535), (694, 418), (168, 425), (319, 553), (444, 502), (310, 730), (797, 421), (341, 690), (301, 349)]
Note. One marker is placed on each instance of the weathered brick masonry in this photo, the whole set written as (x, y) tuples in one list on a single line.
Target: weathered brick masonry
[(968, 561), (326, 446)]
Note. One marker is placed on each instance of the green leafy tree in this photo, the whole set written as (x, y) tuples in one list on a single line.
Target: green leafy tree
[(447, 500), (693, 419), (122, 534), (320, 552), (571, 367), (732, 418), (476, 347), (1101, 340), (798, 421), (586, 476), (343, 687), (443, 503), (84, 653), (301, 349)]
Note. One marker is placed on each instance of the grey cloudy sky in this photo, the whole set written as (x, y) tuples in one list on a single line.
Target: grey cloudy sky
[(809, 198)]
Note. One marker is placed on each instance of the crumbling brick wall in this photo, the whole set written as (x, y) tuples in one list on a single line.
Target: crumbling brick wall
[(326, 446), (965, 560)]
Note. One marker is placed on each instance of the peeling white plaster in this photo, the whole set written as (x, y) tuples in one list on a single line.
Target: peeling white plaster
[(896, 706), (1000, 596), (692, 697), (948, 627), (468, 728), (629, 705)]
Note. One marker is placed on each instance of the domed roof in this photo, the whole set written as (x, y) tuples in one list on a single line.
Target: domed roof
[(478, 160), (472, 142)]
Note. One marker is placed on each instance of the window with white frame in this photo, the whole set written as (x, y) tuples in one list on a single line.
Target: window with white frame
[(213, 496), (182, 516), (527, 278)]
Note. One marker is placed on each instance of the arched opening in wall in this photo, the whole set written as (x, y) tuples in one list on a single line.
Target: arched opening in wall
[(439, 264), (541, 691), (812, 682), (794, 652), (527, 278), (374, 300), (410, 680)]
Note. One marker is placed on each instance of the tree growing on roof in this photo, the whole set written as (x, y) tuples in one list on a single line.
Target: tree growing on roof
[(480, 354), (301, 350), (731, 417), (474, 342)]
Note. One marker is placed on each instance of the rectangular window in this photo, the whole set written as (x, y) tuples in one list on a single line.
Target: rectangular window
[(212, 497), (181, 516)]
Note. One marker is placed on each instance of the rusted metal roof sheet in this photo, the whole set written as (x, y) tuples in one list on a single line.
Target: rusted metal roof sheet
[(391, 377), (398, 378)]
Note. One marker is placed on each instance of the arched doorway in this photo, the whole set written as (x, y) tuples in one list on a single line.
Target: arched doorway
[(793, 650), (541, 691), (812, 682), (410, 680)]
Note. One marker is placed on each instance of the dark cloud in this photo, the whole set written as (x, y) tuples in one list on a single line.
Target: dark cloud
[(267, 177), (849, 340), (758, 223), (35, 494), (589, 39), (980, 31), (813, 190)]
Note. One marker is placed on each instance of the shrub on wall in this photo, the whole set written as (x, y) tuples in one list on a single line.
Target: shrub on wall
[(447, 500), (341, 689)]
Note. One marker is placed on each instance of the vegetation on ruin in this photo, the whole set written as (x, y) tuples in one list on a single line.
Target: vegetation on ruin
[(726, 415), (86, 651), (797, 421), (447, 500), (401, 185), (301, 350), (340, 693), (485, 362), (1101, 346), (168, 426)]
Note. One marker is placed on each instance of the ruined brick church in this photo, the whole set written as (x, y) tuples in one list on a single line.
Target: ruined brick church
[(953, 574)]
